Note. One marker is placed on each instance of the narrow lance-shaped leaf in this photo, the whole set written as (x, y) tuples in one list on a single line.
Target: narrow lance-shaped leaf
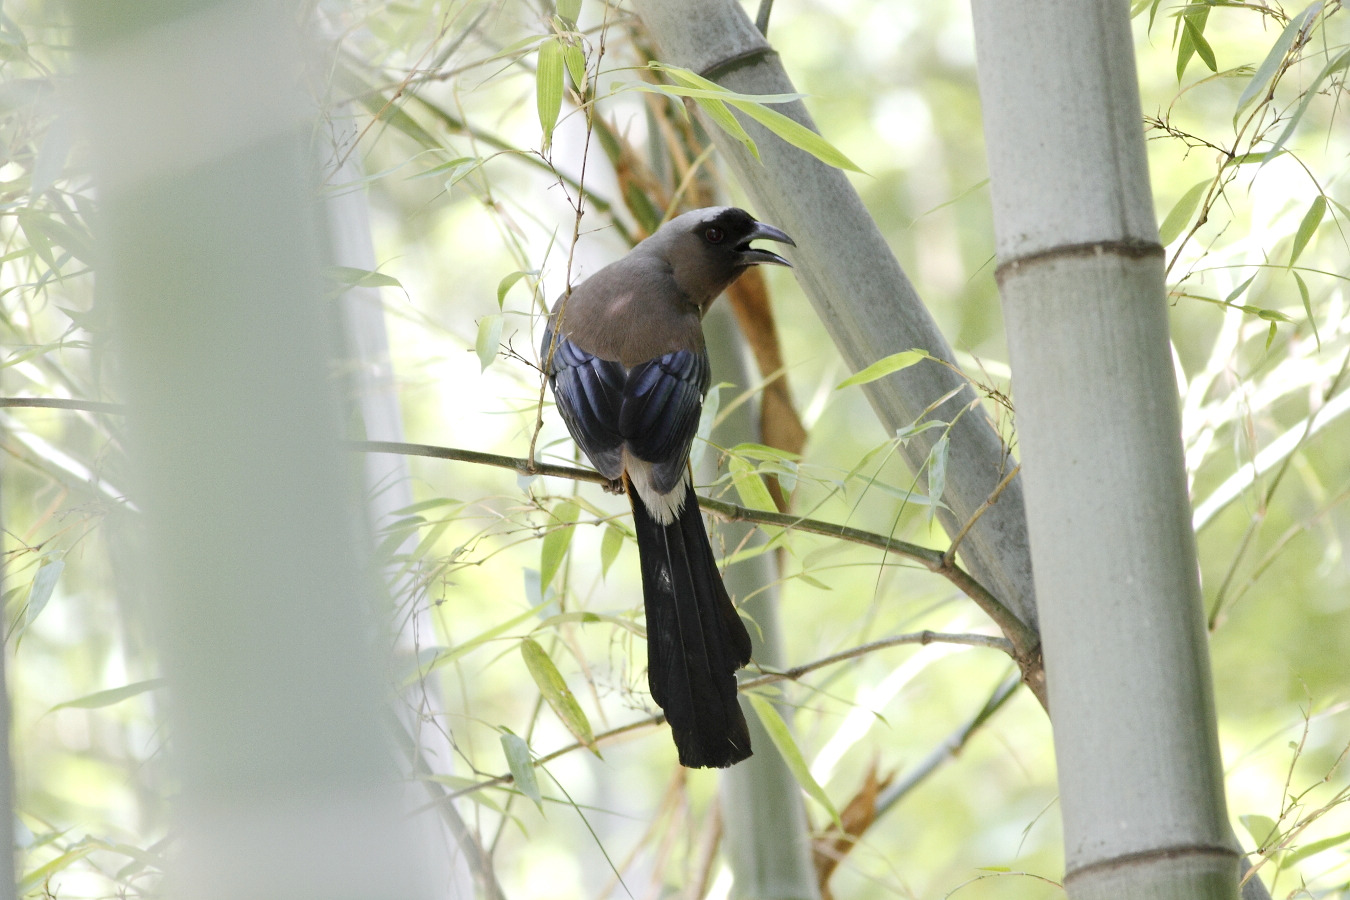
[(1338, 62), (568, 11), (883, 367), (548, 86), (610, 545), (555, 543), (1271, 64), (489, 339), (556, 693), (750, 486), (1307, 307), (100, 699), (1307, 227), (792, 755), (44, 582), (522, 767), (1180, 215)]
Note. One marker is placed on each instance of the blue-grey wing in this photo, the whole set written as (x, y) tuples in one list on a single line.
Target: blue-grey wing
[(590, 396), (662, 400)]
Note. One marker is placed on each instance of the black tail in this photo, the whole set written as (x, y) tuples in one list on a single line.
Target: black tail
[(695, 639)]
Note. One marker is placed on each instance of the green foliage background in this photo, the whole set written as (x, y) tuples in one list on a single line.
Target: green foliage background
[(446, 118)]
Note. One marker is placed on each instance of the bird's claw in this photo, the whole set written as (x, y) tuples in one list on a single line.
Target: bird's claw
[(614, 486)]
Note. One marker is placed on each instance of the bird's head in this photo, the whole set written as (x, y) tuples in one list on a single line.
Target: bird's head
[(709, 248)]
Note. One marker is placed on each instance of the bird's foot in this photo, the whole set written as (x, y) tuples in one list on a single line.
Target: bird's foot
[(614, 486)]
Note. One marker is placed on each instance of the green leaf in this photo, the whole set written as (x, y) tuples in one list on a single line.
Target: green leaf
[(44, 582), (1307, 850), (1239, 290), (1263, 829), (489, 339), (556, 693), (568, 10), (353, 277), (1202, 47), (520, 762), (751, 488), (937, 474), (1192, 26), (1308, 227), (790, 130), (1307, 307), (557, 541), (610, 545), (1271, 64), (548, 86), (883, 367), (792, 755), (100, 699), (1180, 216), (575, 59), (1341, 61), (39, 875), (1270, 335), (509, 282)]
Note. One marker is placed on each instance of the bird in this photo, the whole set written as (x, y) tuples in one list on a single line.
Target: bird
[(625, 356)]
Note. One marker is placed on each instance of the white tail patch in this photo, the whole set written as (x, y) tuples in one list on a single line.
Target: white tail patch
[(664, 508)]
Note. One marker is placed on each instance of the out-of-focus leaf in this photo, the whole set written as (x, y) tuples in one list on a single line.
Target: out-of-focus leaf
[(44, 582), (1307, 307), (1263, 829), (1181, 213), (60, 864), (555, 543), (1308, 227), (548, 85), (792, 755), (883, 367), (1271, 64), (445, 656), (100, 699), (353, 277), (489, 339), (556, 693), (750, 486), (1239, 290), (568, 11), (509, 282), (937, 474), (610, 545), (1307, 850), (1338, 62), (522, 767)]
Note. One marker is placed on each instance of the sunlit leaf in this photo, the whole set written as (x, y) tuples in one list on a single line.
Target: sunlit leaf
[(1271, 64), (555, 543), (521, 764), (44, 582), (489, 339), (1180, 216), (353, 277), (792, 755), (1307, 307), (1307, 850), (610, 545), (548, 86), (507, 283), (448, 655), (1308, 227), (883, 367), (750, 486), (556, 693), (1263, 829), (100, 699)]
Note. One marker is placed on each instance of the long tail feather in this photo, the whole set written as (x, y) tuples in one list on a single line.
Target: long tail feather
[(695, 639)]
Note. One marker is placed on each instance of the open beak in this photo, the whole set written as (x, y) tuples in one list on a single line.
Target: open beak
[(755, 256)]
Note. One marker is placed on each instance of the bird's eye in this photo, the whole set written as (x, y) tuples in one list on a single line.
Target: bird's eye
[(714, 235)]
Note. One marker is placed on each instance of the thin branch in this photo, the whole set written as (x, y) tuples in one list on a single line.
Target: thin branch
[(1024, 641), (793, 674), (96, 406)]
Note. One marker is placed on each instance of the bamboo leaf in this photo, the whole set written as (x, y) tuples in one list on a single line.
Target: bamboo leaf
[(509, 282), (1271, 64), (1338, 62), (575, 59), (1239, 290), (751, 488), (62, 862), (556, 693), (548, 86), (44, 582), (1180, 215), (1192, 26), (1307, 307), (557, 541), (792, 755), (521, 764), (489, 339), (100, 699), (883, 367), (446, 656), (1202, 47), (1308, 227), (937, 474), (1262, 829), (1307, 850), (610, 545), (353, 277), (568, 11)]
